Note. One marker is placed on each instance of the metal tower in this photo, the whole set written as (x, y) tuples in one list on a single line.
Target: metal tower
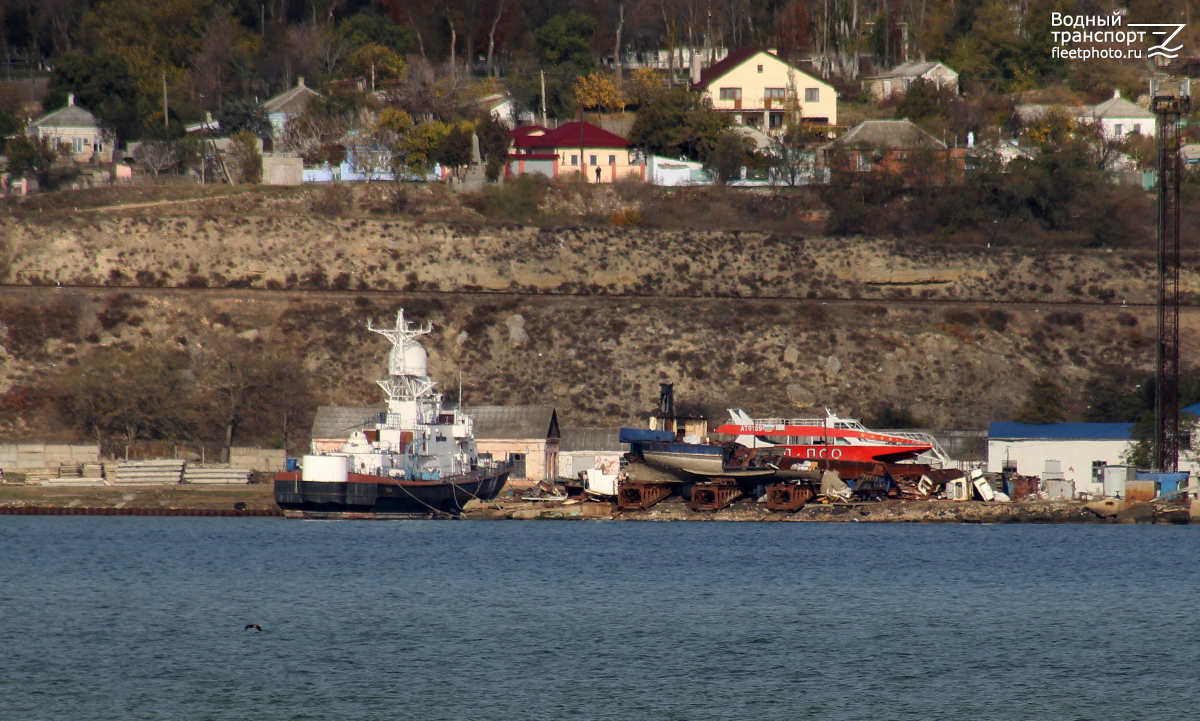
[(1171, 99)]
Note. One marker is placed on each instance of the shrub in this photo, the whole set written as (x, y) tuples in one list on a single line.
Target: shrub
[(332, 200)]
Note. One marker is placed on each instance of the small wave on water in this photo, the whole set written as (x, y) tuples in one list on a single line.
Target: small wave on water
[(111, 619)]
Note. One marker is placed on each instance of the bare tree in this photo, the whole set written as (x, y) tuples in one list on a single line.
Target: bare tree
[(306, 135), (617, 42), (492, 37), (157, 155)]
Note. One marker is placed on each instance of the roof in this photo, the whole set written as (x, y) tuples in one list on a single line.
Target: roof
[(1061, 431), (1118, 107), (914, 69), (71, 116), (291, 102), (592, 439), (731, 61), (510, 422), (1191, 152), (894, 134), (567, 136), (340, 421)]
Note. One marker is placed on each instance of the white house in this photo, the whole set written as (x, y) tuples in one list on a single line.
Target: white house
[(1121, 117), (897, 80), (1117, 116), (75, 133), (287, 105)]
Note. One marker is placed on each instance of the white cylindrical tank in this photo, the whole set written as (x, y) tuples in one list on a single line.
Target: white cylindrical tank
[(331, 469)]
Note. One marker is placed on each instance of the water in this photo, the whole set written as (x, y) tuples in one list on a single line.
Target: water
[(142, 618)]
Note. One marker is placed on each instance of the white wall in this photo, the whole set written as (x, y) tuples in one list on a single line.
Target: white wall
[(1075, 457)]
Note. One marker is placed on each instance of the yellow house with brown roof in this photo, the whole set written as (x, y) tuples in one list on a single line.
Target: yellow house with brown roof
[(754, 85)]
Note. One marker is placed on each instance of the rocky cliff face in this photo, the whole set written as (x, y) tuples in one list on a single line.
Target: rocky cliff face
[(589, 320)]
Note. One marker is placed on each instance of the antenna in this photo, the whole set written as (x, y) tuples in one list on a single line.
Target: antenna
[(460, 389)]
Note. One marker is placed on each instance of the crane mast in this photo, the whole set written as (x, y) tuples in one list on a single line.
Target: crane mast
[(1169, 100)]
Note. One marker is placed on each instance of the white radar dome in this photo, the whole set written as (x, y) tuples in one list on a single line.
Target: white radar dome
[(410, 360)]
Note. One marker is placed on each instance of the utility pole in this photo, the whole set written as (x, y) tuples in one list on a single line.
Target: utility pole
[(166, 109), (544, 121), (1170, 99), (582, 166)]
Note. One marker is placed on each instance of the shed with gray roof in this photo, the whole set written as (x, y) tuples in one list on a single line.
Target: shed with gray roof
[(581, 449), (897, 80)]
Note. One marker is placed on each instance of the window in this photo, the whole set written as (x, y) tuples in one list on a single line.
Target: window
[(1118, 128), (760, 68), (864, 163), (775, 93), (591, 160), (77, 145), (776, 120), (574, 160), (612, 160), (731, 93), (813, 95), (1137, 128)]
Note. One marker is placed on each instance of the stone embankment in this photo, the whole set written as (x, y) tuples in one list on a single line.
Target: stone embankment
[(256, 500), (673, 509)]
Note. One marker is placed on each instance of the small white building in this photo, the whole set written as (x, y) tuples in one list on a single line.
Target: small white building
[(584, 449), (897, 80), (75, 133), (1117, 116), (287, 105), (1080, 450)]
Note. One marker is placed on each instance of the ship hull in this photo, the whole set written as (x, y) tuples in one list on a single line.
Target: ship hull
[(377, 497)]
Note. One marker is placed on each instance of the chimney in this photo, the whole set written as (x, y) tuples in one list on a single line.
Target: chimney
[(1116, 94), (70, 98), (300, 82), (695, 68)]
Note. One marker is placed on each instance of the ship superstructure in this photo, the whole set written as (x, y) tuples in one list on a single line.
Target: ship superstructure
[(417, 458)]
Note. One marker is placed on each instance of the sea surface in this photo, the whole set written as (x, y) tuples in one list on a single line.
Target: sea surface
[(143, 618)]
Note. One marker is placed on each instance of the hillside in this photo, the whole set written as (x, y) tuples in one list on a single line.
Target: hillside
[(589, 319)]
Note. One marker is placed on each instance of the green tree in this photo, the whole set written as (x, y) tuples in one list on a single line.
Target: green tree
[(102, 85), (29, 157), (1043, 403), (245, 158), (454, 149), (728, 157), (244, 115), (10, 125), (366, 28), (924, 99), (567, 38), (677, 123)]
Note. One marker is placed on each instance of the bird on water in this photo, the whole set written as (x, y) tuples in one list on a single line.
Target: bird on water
[(256, 626)]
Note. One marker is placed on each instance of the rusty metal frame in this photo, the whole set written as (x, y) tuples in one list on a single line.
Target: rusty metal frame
[(788, 497), (715, 495), (640, 496)]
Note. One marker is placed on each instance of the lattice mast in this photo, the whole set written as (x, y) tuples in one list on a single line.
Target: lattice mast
[(1170, 100)]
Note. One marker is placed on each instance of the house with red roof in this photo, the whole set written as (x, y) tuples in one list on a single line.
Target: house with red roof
[(754, 85), (603, 157)]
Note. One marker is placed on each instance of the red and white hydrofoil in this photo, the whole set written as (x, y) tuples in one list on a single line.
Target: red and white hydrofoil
[(832, 438)]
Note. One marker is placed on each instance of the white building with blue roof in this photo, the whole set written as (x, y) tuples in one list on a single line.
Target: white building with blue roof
[(1079, 449)]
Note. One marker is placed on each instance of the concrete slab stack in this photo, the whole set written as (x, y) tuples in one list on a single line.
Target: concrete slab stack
[(195, 474), (148, 472)]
